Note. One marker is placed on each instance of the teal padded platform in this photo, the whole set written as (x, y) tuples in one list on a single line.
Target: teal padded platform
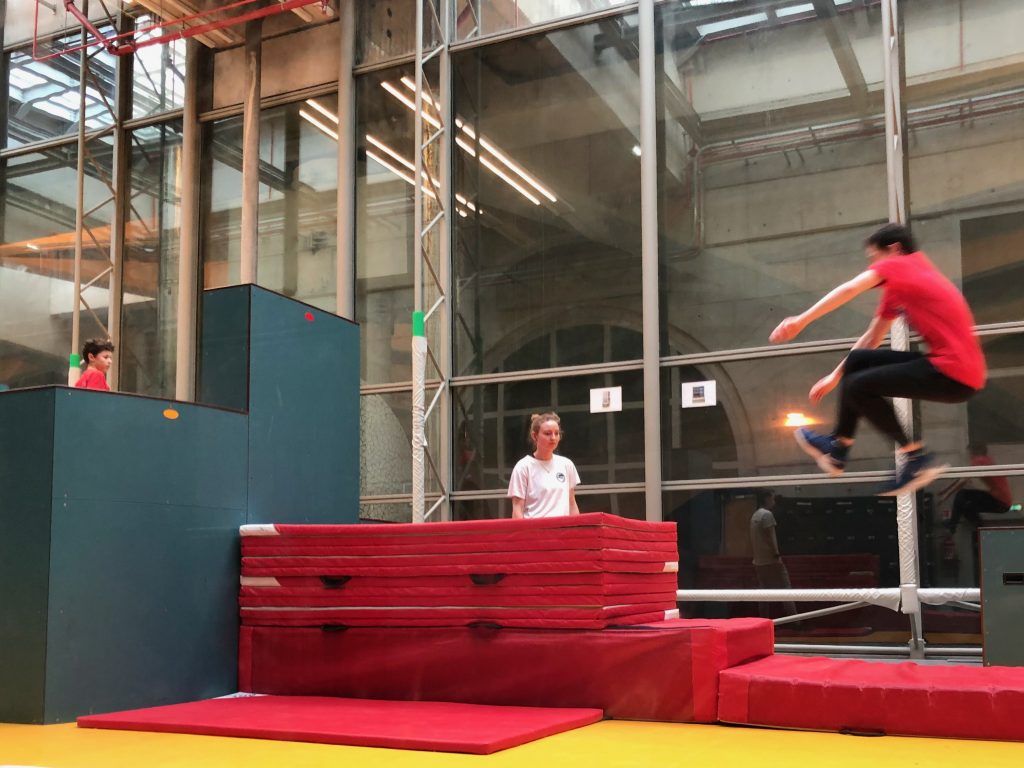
[(118, 546), (119, 554), (295, 370)]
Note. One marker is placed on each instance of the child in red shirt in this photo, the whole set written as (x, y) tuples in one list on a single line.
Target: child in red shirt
[(951, 372), (98, 356)]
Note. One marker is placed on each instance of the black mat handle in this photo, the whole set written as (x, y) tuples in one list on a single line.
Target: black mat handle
[(335, 582), (483, 579)]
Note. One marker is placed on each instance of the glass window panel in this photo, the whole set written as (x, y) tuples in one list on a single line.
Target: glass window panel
[(150, 284), (43, 100), (625, 504), (384, 224), (298, 208), (222, 202), (829, 536), (485, 17), (605, 447), (158, 77), (994, 417), (547, 187), (385, 458), (772, 168), (965, 115), (749, 431), (297, 201), (386, 513), (37, 259)]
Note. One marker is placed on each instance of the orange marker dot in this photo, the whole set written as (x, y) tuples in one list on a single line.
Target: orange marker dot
[(170, 413)]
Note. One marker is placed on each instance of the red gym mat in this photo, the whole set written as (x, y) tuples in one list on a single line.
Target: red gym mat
[(398, 618), (906, 699), (424, 725), (594, 582), (504, 526), (568, 538), (665, 671)]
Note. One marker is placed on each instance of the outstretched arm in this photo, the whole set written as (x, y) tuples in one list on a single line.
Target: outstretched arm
[(791, 327)]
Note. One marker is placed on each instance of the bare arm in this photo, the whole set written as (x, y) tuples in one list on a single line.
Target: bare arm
[(573, 507), (518, 505), (791, 327)]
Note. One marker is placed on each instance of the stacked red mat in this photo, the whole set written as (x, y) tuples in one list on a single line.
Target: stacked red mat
[(585, 572)]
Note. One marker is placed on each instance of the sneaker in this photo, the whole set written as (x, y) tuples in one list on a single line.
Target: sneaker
[(919, 470), (824, 449)]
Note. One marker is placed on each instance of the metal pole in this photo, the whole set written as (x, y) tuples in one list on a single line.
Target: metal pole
[(249, 235), (445, 337), (419, 340), (76, 315), (188, 238), (346, 238), (649, 262), (906, 508), (120, 176)]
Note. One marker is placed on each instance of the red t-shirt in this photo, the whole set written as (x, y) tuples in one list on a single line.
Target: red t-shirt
[(997, 486), (935, 309), (92, 379)]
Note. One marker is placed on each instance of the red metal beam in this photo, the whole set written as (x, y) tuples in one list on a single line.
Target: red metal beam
[(126, 43)]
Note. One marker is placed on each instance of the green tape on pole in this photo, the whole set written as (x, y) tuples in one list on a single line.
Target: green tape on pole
[(74, 361), (417, 324)]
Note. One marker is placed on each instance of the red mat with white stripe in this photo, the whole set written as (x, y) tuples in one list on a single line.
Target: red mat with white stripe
[(905, 699), (423, 725)]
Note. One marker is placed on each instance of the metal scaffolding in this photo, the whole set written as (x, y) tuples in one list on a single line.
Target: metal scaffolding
[(431, 256)]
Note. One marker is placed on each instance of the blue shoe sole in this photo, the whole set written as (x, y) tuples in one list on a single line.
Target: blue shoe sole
[(823, 460), (920, 480)]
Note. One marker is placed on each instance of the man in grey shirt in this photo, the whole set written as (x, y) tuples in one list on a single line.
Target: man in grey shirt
[(771, 571)]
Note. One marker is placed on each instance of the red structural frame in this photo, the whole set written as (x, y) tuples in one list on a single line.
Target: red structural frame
[(125, 43)]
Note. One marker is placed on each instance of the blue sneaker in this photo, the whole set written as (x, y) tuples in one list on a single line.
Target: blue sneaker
[(824, 449), (919, 470)]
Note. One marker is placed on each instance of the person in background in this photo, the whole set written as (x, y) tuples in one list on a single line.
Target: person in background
[(97, 356), (771, 571), (543, 483), (969, 504)]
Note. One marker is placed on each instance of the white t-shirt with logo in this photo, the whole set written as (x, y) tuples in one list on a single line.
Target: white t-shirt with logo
[(544, 485)]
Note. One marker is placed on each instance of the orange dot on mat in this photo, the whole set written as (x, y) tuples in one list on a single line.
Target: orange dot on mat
[(170, 413)]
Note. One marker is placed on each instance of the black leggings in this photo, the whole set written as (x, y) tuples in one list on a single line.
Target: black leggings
[(872, 375)]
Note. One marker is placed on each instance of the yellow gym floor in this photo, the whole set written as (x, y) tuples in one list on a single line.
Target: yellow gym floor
[(606, 744)]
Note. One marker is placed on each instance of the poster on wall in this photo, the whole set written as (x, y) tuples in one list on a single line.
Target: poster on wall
[(699, 394), (606, 399)]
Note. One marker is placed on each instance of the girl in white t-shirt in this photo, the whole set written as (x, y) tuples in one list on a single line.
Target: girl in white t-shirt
[(543, 484)]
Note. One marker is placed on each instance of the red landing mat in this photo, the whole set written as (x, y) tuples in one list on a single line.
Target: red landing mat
[(426, 725), (664, 671), (904, 699), (602, 519)]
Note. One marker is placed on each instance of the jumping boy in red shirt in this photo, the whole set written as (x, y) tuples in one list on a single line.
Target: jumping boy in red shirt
[(951, 371), (98, 356)]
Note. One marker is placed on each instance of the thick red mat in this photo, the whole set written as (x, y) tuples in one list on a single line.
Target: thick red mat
[(664, 671), (568, 538), (594, 582), (904, 698), (397, 618), (507, 525), (425, 725)]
